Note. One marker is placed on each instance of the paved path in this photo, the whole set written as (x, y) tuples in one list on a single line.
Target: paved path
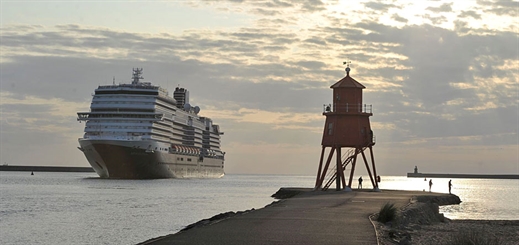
[(332, 217)]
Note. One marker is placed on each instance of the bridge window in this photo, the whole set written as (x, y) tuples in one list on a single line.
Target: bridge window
[(330, 129)]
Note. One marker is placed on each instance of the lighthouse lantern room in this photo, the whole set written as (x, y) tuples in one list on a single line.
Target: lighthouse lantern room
[(347, 126)]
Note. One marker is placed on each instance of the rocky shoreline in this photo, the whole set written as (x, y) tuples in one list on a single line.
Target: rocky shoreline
[(421, 223)]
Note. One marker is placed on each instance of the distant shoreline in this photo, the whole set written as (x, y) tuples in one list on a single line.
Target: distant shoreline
[(46, 169), (463, 176)]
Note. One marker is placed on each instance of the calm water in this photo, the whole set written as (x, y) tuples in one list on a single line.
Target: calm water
[(78, 208)]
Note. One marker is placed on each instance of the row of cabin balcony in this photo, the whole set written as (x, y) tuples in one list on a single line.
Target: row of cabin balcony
[(165, 127), (191, 140), (348, 108), (213, 148), (140, 85), (166, 137), (133, 98), (174, 134), (129, 113), (214, 131), (114, 104), (156, 105), (127, 91), (198, 139), (182, 133), (162, 131), (118, 104), (212, 137), (120, 123), (117, 137), (215, 143), (167, 105), (144, 135), (213, 140), (159, 138), (188, 139), (122, 109), (125, 115), (178, 122), (212, 143), (116, 129)]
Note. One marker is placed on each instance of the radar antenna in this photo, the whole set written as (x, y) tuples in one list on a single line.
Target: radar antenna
[(137, 74)]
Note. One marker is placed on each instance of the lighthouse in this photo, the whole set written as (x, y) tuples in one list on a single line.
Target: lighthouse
[(348, 135)]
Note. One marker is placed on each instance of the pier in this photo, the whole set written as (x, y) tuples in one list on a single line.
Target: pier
[(463, 176), (417, 174), (303, 217), (46, 169)]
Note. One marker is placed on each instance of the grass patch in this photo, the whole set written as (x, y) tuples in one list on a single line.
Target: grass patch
[(387, 213), (473, 237)]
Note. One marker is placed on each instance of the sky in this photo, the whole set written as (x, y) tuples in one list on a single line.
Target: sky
[(442, 76)]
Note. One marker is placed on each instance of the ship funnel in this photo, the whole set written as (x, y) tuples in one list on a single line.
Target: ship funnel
[(181, 95)]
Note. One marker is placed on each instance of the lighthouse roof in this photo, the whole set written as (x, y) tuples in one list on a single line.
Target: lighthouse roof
[(347, 82)]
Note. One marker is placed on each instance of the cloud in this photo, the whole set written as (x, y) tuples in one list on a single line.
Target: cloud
[(380, 6), (446, 7), (501, 7), (470, 13), (399, 18), (436, 84)]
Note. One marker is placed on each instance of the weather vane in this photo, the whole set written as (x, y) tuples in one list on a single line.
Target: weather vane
[(347, 63)]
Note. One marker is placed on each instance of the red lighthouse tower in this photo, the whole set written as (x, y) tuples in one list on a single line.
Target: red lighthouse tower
[(347, 126)]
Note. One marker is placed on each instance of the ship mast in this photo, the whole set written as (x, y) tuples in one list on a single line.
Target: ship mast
[(137, 74)]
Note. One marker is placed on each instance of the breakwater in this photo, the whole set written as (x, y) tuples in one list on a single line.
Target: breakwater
[(463, 176), (47, 169), (303, 216)]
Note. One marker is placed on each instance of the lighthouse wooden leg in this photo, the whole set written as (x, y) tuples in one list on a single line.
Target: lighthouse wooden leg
[(323, 174), (374, 169), (353, 167), (343, 179), (367, 168), (338, 168), (317, 186)]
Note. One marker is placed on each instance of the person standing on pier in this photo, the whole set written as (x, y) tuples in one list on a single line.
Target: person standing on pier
[(360, 183), (450, 186), (430, 185)]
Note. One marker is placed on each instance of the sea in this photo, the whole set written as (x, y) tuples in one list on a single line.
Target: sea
[(80, 208)]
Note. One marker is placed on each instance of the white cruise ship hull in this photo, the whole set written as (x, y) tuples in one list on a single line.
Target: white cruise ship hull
[(125, 159)]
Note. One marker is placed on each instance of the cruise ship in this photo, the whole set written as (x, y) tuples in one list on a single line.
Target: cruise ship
[(138, 131)]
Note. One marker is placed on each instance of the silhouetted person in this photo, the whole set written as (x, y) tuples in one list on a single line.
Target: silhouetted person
[(32, 172), (430, 185), (450, 186), (360, 182)]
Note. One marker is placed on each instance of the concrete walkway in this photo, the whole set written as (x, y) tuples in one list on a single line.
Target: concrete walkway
[(331, 217)]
